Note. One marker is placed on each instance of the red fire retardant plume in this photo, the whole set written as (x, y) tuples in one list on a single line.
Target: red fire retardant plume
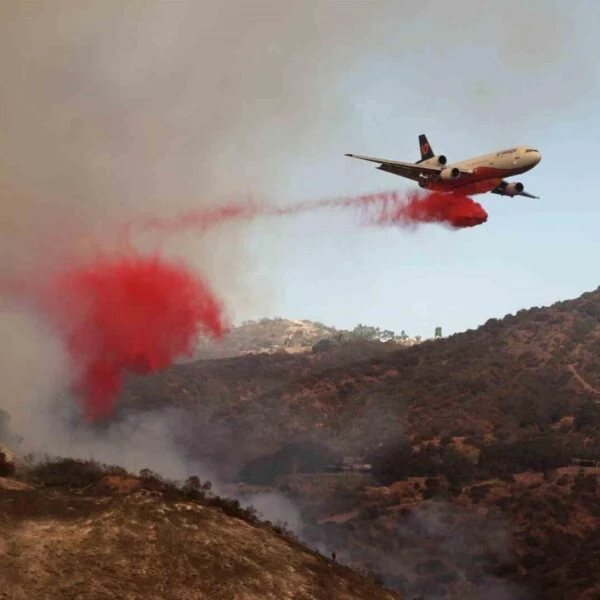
[(138, 314), (400, 209), (129, 314), (451, 209)]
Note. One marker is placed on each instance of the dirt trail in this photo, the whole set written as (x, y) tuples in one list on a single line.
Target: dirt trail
[(582, 381)]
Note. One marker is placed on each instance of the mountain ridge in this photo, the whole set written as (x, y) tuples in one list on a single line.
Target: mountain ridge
[(513, 398), (279, 335), (340, 390)]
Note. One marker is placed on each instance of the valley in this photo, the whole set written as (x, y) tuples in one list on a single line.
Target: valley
[(477, 432)]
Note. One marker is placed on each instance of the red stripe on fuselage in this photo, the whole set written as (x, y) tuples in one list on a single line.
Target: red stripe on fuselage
[(481, 181)]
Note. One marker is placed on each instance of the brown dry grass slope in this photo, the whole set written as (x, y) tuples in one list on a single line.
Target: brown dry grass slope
[(93, 535), (265, 336)]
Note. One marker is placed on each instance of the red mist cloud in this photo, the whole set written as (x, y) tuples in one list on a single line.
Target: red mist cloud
[(134, 313), (131, 313)]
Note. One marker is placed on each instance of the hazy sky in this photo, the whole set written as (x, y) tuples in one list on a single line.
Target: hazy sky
[(115, 109), (474, 76)]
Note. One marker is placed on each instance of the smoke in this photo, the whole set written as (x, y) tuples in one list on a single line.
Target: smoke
[(448, 540), (118, 113), (438, 551), (113, 112), (135, 441), (34, 365), (277, 508)]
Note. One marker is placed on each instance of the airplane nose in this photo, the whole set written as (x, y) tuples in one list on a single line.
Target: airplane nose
[(537, 157)]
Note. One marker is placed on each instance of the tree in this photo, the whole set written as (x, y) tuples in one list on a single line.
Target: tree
[(366, 332), (457, 467), (587, 417), (538, 453), (192, 485), (390, 462), (322, 346)]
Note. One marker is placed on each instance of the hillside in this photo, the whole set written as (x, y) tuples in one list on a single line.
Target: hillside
[(278, 335), (522, 536), (517, 397), (77, 529), (265, 336), (538, 368)]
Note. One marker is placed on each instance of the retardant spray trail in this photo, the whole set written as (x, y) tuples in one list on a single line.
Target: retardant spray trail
[(382, 209), (133, 313), (410, 209), (123, 314)]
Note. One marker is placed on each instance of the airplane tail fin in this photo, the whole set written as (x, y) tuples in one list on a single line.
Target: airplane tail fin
[(425, 147)]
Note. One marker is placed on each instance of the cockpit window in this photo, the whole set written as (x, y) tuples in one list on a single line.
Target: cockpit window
[(530, 150)]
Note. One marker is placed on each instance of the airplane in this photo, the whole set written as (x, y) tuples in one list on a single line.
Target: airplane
[(478, 175)]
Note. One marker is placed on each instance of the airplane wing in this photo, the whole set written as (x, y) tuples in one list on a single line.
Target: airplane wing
[(501, 190), (412, 171)]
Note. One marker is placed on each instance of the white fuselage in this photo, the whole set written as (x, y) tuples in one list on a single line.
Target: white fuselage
[(511, 159), (487, 170)]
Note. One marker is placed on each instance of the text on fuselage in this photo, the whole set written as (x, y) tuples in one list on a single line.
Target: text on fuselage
[(503, 152)]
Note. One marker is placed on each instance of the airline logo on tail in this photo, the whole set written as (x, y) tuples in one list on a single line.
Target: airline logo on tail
[(426, 151)]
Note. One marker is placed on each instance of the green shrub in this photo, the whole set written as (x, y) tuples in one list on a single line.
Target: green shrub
[(72, 472)]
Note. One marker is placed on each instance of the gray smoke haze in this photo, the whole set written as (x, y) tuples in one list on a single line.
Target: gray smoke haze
[(276, 507), (33, 368), (437, 552), (136, 441), (455, 535), (112, 111)]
